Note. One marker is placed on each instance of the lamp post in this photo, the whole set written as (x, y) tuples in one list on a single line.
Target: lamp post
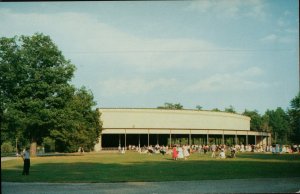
[(16, 146)]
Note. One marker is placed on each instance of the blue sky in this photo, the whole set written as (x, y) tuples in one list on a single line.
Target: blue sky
[(140, 54)]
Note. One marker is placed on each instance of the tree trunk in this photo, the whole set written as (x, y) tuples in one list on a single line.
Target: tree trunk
[(33, 148)]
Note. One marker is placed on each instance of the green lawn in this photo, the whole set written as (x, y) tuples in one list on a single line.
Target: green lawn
[(114, 167)]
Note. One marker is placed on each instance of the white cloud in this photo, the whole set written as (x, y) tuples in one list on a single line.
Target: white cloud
[(273, 38), (255, 9), (287, 13), (251, 72), (291, 30), (218, 82), (281, 22), (134, 86), (89, 41), (284, 32), (235, 81), (85, 37), (270, 38), (230, 8)]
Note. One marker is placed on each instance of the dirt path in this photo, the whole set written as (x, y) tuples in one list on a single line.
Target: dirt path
[(8, 158), (268, 185)]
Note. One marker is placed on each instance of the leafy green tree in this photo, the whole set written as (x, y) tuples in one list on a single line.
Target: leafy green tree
[(6, 147), (35, 89), (294, 116), (230, 109), (256, 120), (11, 76), (167, 105), (265, 120), (178, 106), (216, 110), (279, 122), (198, 107), (49, 144), (79, 125)]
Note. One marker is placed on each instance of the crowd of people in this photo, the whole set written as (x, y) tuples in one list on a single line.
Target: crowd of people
[(215, 150)]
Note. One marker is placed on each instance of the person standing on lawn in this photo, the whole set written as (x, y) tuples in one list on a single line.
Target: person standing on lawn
[(186, 153), (213, 150), (175, 153), (26, 158)]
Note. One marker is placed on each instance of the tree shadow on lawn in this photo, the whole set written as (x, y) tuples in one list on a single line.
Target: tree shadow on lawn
[(269, 156), (182, 170)]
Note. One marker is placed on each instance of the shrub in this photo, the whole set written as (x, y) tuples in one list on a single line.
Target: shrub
[(49, 144), (6, 147)]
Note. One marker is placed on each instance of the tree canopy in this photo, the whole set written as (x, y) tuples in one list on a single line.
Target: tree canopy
[(198, 107), (279, 122), (256, 120), (168, 105), (37, 99), (283, 125), (294, 118), (230, 109)]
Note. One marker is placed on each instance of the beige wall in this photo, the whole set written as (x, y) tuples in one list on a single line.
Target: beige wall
[(156, 121), (172, 119)]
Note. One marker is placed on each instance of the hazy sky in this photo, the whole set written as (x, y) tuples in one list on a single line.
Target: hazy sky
[(140, 54)]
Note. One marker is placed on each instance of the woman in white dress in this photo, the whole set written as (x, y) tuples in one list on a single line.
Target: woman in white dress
[(180, 153), (185, 152)]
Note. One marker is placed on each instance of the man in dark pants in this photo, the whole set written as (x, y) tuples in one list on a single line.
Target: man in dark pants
[(26, 159)]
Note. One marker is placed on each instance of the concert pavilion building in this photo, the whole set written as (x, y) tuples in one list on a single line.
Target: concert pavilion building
[(144, 127)]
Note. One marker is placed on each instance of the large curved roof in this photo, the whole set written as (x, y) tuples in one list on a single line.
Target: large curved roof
[(172, 119)]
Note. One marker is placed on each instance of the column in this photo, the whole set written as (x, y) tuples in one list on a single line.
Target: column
[(190, 137), (100, 141), (170, 138), (148, 137), (247, 139), (223, 139), (139, 140), (98, 146), (125, 139), (235, 138), (207, 137)]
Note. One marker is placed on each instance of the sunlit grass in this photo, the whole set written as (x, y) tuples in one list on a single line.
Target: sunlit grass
[(114, 167)]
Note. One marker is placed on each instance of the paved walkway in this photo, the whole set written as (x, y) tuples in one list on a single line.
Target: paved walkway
[(7, 158), (269, 185)]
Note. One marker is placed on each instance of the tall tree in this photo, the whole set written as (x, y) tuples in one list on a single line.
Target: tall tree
[(198, 107), (168, 105), (279, 122), (11, 78), (35, 87), (77, 125), (256, 120), (265, 120), (294, 115), (230, 109)]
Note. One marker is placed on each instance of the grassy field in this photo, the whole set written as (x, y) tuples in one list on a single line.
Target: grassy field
[(114, 167)]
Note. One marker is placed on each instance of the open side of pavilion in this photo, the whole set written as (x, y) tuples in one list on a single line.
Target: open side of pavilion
[(144, 127)]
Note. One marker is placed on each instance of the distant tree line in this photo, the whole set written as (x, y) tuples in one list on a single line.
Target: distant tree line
[(283, 125), (171, 106), (39, 106)]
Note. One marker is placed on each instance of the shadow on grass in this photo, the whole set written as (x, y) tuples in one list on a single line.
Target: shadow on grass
[(269, 156), (166, 170)]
